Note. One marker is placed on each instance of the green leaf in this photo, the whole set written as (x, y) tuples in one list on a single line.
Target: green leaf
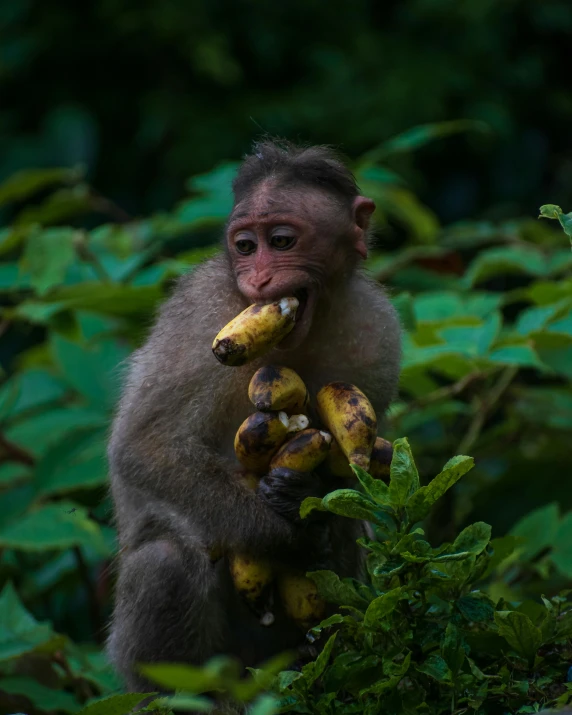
[(555, 212), (382, 606), (397, 670), (374, 488), (287, 677), (520, 633), (115, 705), (505, 260), (452, 649), (472, 540), (92, 369), (264, 705), (523, 355), (475, 610), (182, 677), (29, 389), (436, 667), (335, 590), (19, 632), (538, 530), (47, 257), (419, 504), (61, 207), (419, 136), (109, 299), (309, 504), (28, 182), (404, 478), (502, 547), (77, 462), (40, 696), (49, 426), (183, 702), (348, 502), (312, 671), (54, 526)]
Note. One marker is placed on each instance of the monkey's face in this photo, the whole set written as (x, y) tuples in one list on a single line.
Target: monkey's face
[(294, 242)]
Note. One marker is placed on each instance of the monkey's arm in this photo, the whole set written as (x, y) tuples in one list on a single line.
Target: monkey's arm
[(161, 457)]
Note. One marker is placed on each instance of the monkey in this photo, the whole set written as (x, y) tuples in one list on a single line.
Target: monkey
[(298, 227)]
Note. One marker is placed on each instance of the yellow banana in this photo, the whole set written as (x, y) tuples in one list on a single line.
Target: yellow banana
[(278, 388), (337, 464), (303, 452), (259, 437), (255, 331), (250, 576), (349, 416), (301, 600), (381, 459)]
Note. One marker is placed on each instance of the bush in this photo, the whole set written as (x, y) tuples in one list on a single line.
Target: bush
[(486, 371)]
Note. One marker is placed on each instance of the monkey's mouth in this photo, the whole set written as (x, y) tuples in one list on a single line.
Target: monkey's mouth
[(303, 320), (302, 295)]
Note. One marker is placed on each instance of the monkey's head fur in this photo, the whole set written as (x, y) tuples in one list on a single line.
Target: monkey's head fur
[(298, 226)]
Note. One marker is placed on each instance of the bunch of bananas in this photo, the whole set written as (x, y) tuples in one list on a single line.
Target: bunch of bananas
[(278, 434)]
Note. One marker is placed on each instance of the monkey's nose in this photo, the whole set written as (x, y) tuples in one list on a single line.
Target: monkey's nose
[(258, 286)]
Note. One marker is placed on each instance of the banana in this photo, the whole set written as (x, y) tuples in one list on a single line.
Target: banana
[(381, 457), (297, 423), (337, 464), (255, 331), (301, 600), (278, 388), (250, 576), (349, 416), (259, 437), (303, 452)]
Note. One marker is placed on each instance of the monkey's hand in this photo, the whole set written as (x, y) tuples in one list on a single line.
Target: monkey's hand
[(284, 490)]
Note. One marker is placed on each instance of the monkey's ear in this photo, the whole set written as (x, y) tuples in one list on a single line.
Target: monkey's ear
[(362, 209)]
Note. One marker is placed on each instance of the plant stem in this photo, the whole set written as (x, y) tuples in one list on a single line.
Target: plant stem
[(486, 406)]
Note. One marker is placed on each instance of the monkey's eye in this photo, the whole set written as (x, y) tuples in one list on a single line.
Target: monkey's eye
[(282, 241), (245, 246)]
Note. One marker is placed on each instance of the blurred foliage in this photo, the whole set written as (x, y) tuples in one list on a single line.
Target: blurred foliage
[(145, 94), (134, 98)]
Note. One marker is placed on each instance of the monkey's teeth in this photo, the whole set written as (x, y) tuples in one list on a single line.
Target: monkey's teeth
[(288, 305)]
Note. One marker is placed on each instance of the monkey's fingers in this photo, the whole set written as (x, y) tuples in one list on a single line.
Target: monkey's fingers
[(255, 331), (283, 490)]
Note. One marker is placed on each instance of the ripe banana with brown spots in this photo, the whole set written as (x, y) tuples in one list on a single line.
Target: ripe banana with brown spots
[(255, 331), (278, 388), (250, 576), (259, 437), (301, 600), (303, 452), (349, 416)]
